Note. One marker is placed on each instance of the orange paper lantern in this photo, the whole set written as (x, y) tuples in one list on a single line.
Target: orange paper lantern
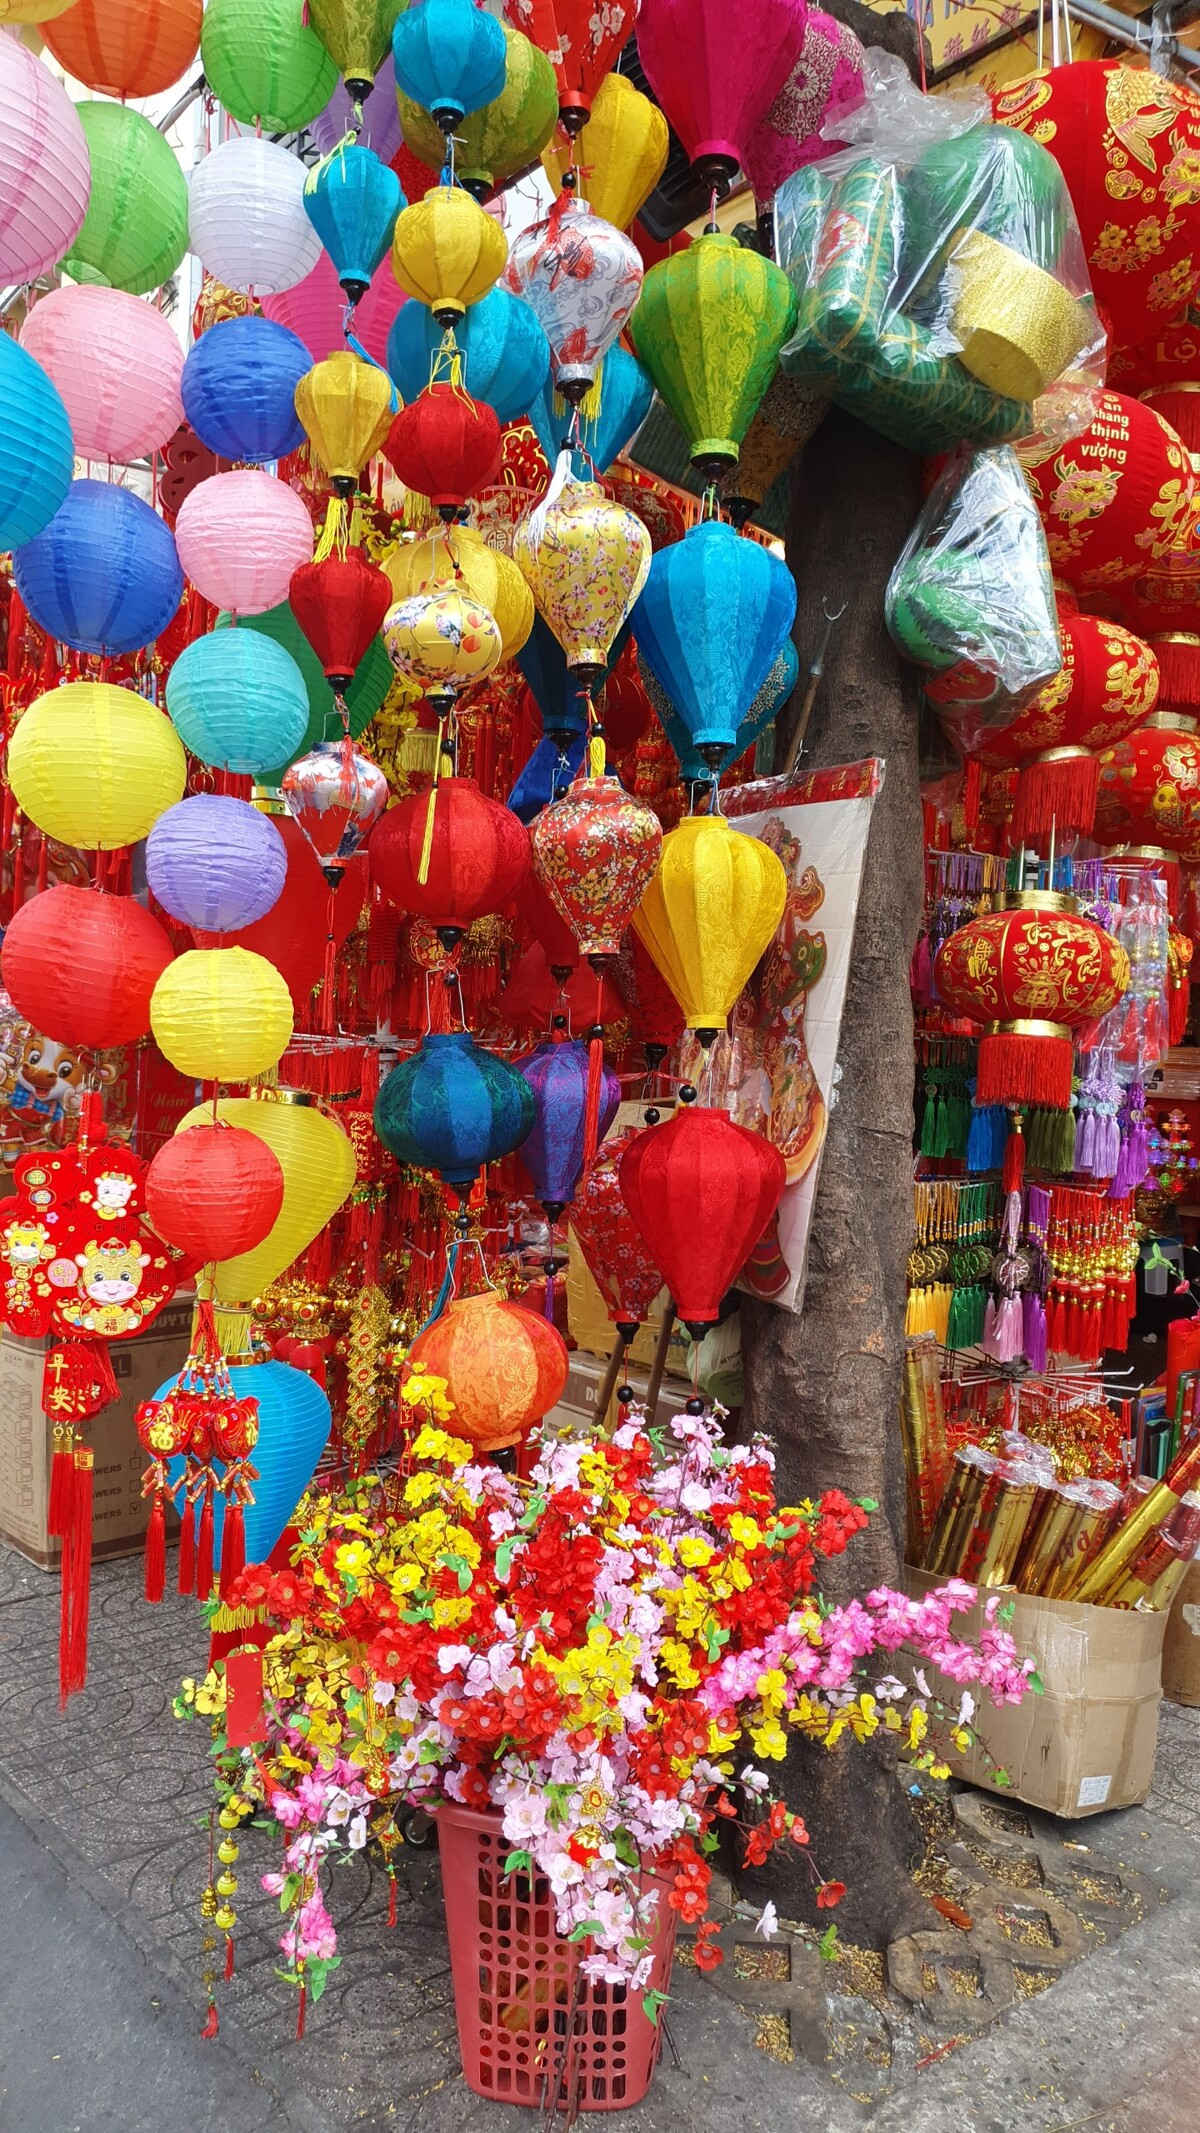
[(126, 47)]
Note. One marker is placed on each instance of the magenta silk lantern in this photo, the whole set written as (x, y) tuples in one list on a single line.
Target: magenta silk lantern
[(240, 536), (717, 69), (316, 307), (45, 171), (825, 85), (216, 864), (116, 361)]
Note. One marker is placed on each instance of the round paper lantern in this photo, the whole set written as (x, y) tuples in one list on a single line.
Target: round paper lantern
[(238, 701), (45, 174), (346, 407), (215, 863), (559, 695), (583, 41), (334, 794), (701, 1191), (596, 851), (1148, 789), (213, 1191), (487, 574), (318, 1164), (714, 616), (356, 34), (557, 1072), (442, 640), (372, 680), (1032, 972), (352, 200), (453, 1107), (36, 457), (504, 1367), (82, 966), (446, 252), (1114, 497), (135, 231), (239, 385), (709, 327), (221, 1014), (450, 58), (316, 308), (117, 363), (613, 1246), (340, 604), (582, 277), (94, 766), (625, 396), (292, 936), (478, 855), (240, 536), (32, 10), (126, 47), (825, 84), (294, 1420), (585, 560), (103, 576), (505, 354), (444, 445), (380, 127), (623, 149), (246, 216), (505, 135), (709, 914), (715, 73), (264, 64)]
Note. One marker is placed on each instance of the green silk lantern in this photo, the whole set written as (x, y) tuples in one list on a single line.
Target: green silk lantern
[(492, 144), (708, 327), (357, 35), (264, 64), (135, 231), (373, 677)]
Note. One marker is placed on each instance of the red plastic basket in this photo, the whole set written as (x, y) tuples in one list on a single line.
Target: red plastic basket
[(530, 2026)]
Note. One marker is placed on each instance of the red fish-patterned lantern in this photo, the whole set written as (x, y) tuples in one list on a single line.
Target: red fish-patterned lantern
[(478, 855), (445, 446), (1115, 498), (617, 1255), (340, 604), (504, 1367), (596, 850), (701, 1191), (1149, 787)]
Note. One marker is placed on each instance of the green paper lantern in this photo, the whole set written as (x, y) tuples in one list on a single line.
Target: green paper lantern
[(135, 232), (709, 326), (492, 144), (373, 677), (263, 62)]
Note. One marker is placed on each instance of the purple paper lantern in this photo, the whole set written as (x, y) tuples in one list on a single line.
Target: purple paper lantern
[(215, 863), (557, 1072), (380, 118)]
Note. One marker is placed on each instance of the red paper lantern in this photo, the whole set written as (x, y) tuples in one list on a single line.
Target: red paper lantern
[(340, 604), (1116, 497), (81, 966), (445, 446), (1032, 971), (1149, 788), (702, 1191), (214, 1191), (504, 1367), (478, 854), (292, 935), (596, 851), (617, 1255)]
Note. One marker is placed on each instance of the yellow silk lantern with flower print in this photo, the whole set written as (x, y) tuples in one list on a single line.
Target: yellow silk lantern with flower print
[(585, 560), (709, 914), (462, 556)]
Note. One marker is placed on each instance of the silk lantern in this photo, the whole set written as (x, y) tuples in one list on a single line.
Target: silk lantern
[(709, 326), (583, 41), (117, 363), (352, 200), (453, 1107), (45, 174), (126, 47), (346, 407), (449, 57), (246, 216), (221, 1014), (294, 934), (263, 63), (82, 966), (441, 640), (238, 701), (625, 396), (623, 149), (215, 863), (582, 278), (546, 774), (533, 995), (596, 851), (36, 457), (213, 1191), (356, 35), (380, 128), (1148, 786), (553, 1153), (708, 915), (478, 855), (94, 766), (294, 1421), (318, 1163), (446, 252), (560, 696), (316, 309), (505, 354), (716, 73), (104, 575), (502, 137), (585, 561), (1031, 972), (335, 795), (239, 384), (504, 1366), (135, 231), (774, 693), (487, 574), (701, 1191), (340, 604), (240, 536), (825, 85), (715, 614), (445, 445), (614, 1250), (1115, 496)]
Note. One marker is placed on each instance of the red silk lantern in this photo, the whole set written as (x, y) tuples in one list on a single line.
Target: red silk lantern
[(717, 70), (625, 710), (478, 854), (546, 923), (445, 446), (656, 1015), (340, 604), (581, 39), (1178, 656), (596, 851), (504, 1366), (617, 1255), (214, 1191), (1032, 971), (701, 1191), (292, 935), (533, 996), (1179, 402), (81, 966), (1149, 788)]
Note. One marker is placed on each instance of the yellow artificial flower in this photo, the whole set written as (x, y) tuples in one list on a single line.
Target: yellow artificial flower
[(447, 1612), (770, 1740), (405, 1578), (677, 1659), (746, 1531), (419, 1488), (694, 1552), (353, 1559), (771, 1687), (811, 1718), (918, 1726)]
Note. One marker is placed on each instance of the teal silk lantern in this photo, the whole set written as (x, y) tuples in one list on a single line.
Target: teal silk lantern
[(767, 704), (238, 701), (506, 356), (452, 1107), (625, 395), (293, 1430), (450, 57), (36, 451), (714, 615), (352, 201)]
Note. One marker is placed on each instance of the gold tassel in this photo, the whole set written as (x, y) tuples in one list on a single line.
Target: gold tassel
[(596, 756), (418, 511), (427, 840), (233, 1331), (333, 532)]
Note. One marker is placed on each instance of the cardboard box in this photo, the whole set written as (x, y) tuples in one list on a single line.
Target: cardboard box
[(576, 1410), (1088, 1742), (1181, 1645), (120, 1512)]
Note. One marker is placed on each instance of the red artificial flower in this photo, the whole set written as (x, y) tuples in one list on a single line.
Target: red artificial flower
[(707, 1957), (251, 1586), (758, 1844), (725, 1806), (685, 1732), (475, 1789), (839, 1521), (829, 1894), (777, 1820), (799, 1832)]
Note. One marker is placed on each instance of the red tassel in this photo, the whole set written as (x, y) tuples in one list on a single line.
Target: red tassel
[(154, 1569), (1178, 657), (233, 1545), (212, 2026), (972, 785), (391, 1899), (595, 1084), (1055, 797), (1017, 1069), (75, 1603), (1179, 1001), (1012, 1176), (228, 1957), (301, 2012), (186, 1581), (204, 1545), (62, 1486)]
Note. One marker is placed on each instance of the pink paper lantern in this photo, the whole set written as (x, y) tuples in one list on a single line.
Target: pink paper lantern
[(117, 363), (45, 172), (717, 69), (825, 84), (316, 306), (240, 536)]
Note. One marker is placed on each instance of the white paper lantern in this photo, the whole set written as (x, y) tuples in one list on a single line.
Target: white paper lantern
[(117, 363), (246, 216), (45, 175), (240, 536)]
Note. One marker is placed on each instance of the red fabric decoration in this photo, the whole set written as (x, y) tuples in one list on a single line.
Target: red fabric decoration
[(1038, 971), (625, 710), (82, 966), (701, 1191), (1149, 791), (292, 935), (596, 850), (533, 995), (616, 1252), (1115, 498), (478, 855), (214, 1191), (445, 445), (583, 42), (656, 1015), (546, 923), (340, 604), (415, 176), (245, 1713)]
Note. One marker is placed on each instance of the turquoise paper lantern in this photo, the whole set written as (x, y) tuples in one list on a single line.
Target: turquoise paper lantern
[(238, 701), (239, 388), (352, 200), (37, 455), (713, 617), (453, 1107), (450, 57), (625, 395), (293, 1429), (506, 356), (104, 575), (771, 697)]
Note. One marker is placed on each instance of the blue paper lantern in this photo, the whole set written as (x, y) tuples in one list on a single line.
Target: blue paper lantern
[(37, 454), (712, 619), (238, 388), (771, 697), (450, 57), (452, 1107), (352, 200), (625, 395), (506, 356), (293, 1429), (238, 701), (557, 1072), (103, 576), (546, 776), (559, 694)]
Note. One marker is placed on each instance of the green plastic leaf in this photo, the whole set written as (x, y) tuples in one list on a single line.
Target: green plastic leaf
[(828, 1944), (517, 1862), (652, 2005)]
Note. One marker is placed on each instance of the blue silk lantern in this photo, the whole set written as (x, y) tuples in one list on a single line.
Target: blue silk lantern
[(713, 617), (36, 450), (559, 695), (103, 576), (238, 701), (771, 697), (452, 1107), (625, 395), (557, 1072), (238, 388), (546, 776), (506, 356), (450, 57), (352, 200), (293, 1429)]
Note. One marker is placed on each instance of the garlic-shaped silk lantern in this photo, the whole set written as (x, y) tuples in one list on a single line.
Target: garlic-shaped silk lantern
[(585, 560)]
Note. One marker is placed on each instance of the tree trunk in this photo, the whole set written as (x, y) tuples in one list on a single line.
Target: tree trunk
[(825, 1383)]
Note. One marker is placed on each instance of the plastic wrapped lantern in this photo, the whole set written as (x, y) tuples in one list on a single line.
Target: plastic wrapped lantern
[(505, 354), (214, 1191), (239, 384), (264, 64), (240, 536), (340, 604), (709, 914), (446, 252), (1148, 791), (221, 1014), (117, 363), (596, 851), (478, 855), (215, 863), (501, 138), (585, 560), (84, 965), (352, 200), (444, 445), (582, 40), (356, 35), (716, 72), (553, 1154), (825, 84), (94, 766), (715, 614), (104, 575), (246, 216), (504, 1367), (449, 57), (45, 175), (135, 231), (623, 149), (453, 1107), (463, 557), (441, 640), (582, 277), (701, 1191), (238, 701), (346, 407), (1115, 497)]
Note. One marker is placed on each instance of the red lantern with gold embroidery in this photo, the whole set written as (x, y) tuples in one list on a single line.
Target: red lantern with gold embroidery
[(445, 446), (1114, 499), (596, 850), (340, 604), (504, 1367), (1149, 787), (1032, 972), (614, 1249)]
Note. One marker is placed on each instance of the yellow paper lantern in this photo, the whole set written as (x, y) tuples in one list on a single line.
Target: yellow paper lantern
[(623, 149), (221, 1014), (709, 914), (346, 407), (464, 557), (95, 766), (317, 1160), (585, 560), (446, 252), (33, 10)]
